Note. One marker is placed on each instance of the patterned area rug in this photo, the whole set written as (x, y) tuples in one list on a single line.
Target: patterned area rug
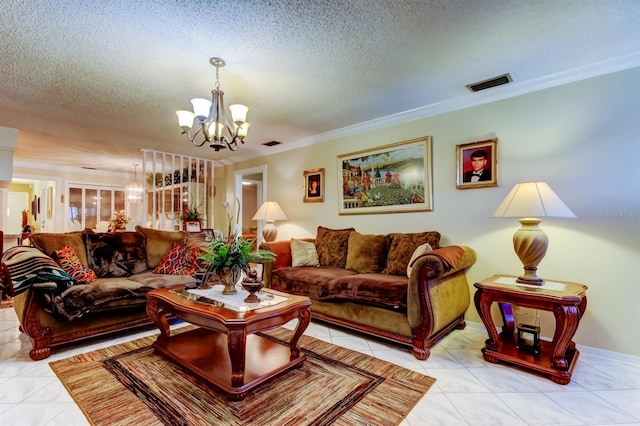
[(129, 384)]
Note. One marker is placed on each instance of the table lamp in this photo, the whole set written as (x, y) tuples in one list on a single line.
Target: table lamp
[(269, 211), (530, 200)]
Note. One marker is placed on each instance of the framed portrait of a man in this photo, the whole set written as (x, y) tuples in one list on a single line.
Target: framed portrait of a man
[(477, 164)]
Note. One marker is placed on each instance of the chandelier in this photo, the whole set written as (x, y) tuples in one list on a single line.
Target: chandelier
[(210, 119), (134, 190)]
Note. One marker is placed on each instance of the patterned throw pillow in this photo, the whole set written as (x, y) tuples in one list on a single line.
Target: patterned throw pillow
[(68, 260), (180, 260), (28, 265), (332, 246)]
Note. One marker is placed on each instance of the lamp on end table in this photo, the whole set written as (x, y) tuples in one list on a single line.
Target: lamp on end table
[(269, 211), (530, 200)]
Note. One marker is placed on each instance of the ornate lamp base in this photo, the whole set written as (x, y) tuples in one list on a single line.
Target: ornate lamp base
[(530, 243)]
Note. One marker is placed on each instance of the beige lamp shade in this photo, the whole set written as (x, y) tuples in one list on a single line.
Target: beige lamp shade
[(529, 201), (269, 211)]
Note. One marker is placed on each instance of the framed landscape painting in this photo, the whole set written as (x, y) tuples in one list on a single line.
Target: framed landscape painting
[(477, 164), (393, 178)]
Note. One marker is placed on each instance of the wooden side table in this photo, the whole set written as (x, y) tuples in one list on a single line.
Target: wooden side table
[(567, 301)]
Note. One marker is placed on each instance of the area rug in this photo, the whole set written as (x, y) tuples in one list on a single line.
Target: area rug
[(129, 384)]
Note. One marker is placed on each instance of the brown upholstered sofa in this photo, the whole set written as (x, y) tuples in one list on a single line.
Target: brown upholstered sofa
[(383, 285), (116, 301)]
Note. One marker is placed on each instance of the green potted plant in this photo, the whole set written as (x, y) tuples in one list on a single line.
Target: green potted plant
[(228, 257)]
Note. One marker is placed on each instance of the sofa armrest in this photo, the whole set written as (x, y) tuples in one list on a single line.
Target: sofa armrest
[(438, 293)]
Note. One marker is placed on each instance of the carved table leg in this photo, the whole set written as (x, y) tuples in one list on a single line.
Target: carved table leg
[(304, 317), (567, 319), (483, 306), (153, 310), (237, 342)]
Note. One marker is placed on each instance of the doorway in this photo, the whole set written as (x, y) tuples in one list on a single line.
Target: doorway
[(250, 192)]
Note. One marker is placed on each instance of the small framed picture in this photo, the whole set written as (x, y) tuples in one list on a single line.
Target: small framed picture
[(477, 164), (313, 186), (208, 234), (192, 226)]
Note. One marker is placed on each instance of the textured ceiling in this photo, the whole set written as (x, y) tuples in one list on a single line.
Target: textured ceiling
[(90, 83)]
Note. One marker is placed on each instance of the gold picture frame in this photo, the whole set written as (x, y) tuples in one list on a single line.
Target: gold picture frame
[(395, 178), (477, 164), (313, 186), (193, 226)]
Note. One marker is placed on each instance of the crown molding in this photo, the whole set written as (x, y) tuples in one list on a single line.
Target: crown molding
[(469, 100)]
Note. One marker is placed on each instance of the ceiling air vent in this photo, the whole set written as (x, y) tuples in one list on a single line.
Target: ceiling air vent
[(492, 82), (271, 143)]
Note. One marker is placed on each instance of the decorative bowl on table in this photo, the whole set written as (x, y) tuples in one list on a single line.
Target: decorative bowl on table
[(253, 285)]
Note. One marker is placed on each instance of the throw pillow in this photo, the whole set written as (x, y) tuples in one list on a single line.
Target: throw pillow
[(27, 266), (116, 254), (303, 253), (332, 246), (402, 246), (419, 251), (160, 242), (367, 253), (50, 243), (68, 260), (180, 260)]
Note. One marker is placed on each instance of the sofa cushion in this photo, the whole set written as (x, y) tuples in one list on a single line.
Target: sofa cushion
[(419, 251), (116, 254), (68, 260), (27, 266), (308, 281), (50, 243), (389, 291), (180, 260), (113, 293), (402, 246), (160, 242), (366, 253), (303, 253), (332, 246)]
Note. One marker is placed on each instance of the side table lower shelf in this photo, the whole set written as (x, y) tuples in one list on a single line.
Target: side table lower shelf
[(508, 353)]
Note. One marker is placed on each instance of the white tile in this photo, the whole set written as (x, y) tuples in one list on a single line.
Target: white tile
[(538, 409), (353, 343), (484, 409), (628, 400), (502, 379), (31, 414), (594, 379), (441, 358), (53, 392), (456, 380), (435, 410), (18, 389), (590, 408)]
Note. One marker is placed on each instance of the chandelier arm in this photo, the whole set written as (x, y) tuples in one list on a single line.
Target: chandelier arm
[(193, 137)]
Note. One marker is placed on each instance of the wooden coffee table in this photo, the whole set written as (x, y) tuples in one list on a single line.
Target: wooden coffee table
[(224, 352)]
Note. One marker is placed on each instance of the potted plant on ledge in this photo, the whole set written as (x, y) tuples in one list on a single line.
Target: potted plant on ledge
[(227, 258)]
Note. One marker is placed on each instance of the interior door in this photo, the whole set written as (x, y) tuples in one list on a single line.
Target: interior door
[(18, 201)]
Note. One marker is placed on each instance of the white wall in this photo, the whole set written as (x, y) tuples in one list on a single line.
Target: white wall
[(582, 138)]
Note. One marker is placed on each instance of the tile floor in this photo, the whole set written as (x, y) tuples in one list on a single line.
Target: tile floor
[(605, 390)]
